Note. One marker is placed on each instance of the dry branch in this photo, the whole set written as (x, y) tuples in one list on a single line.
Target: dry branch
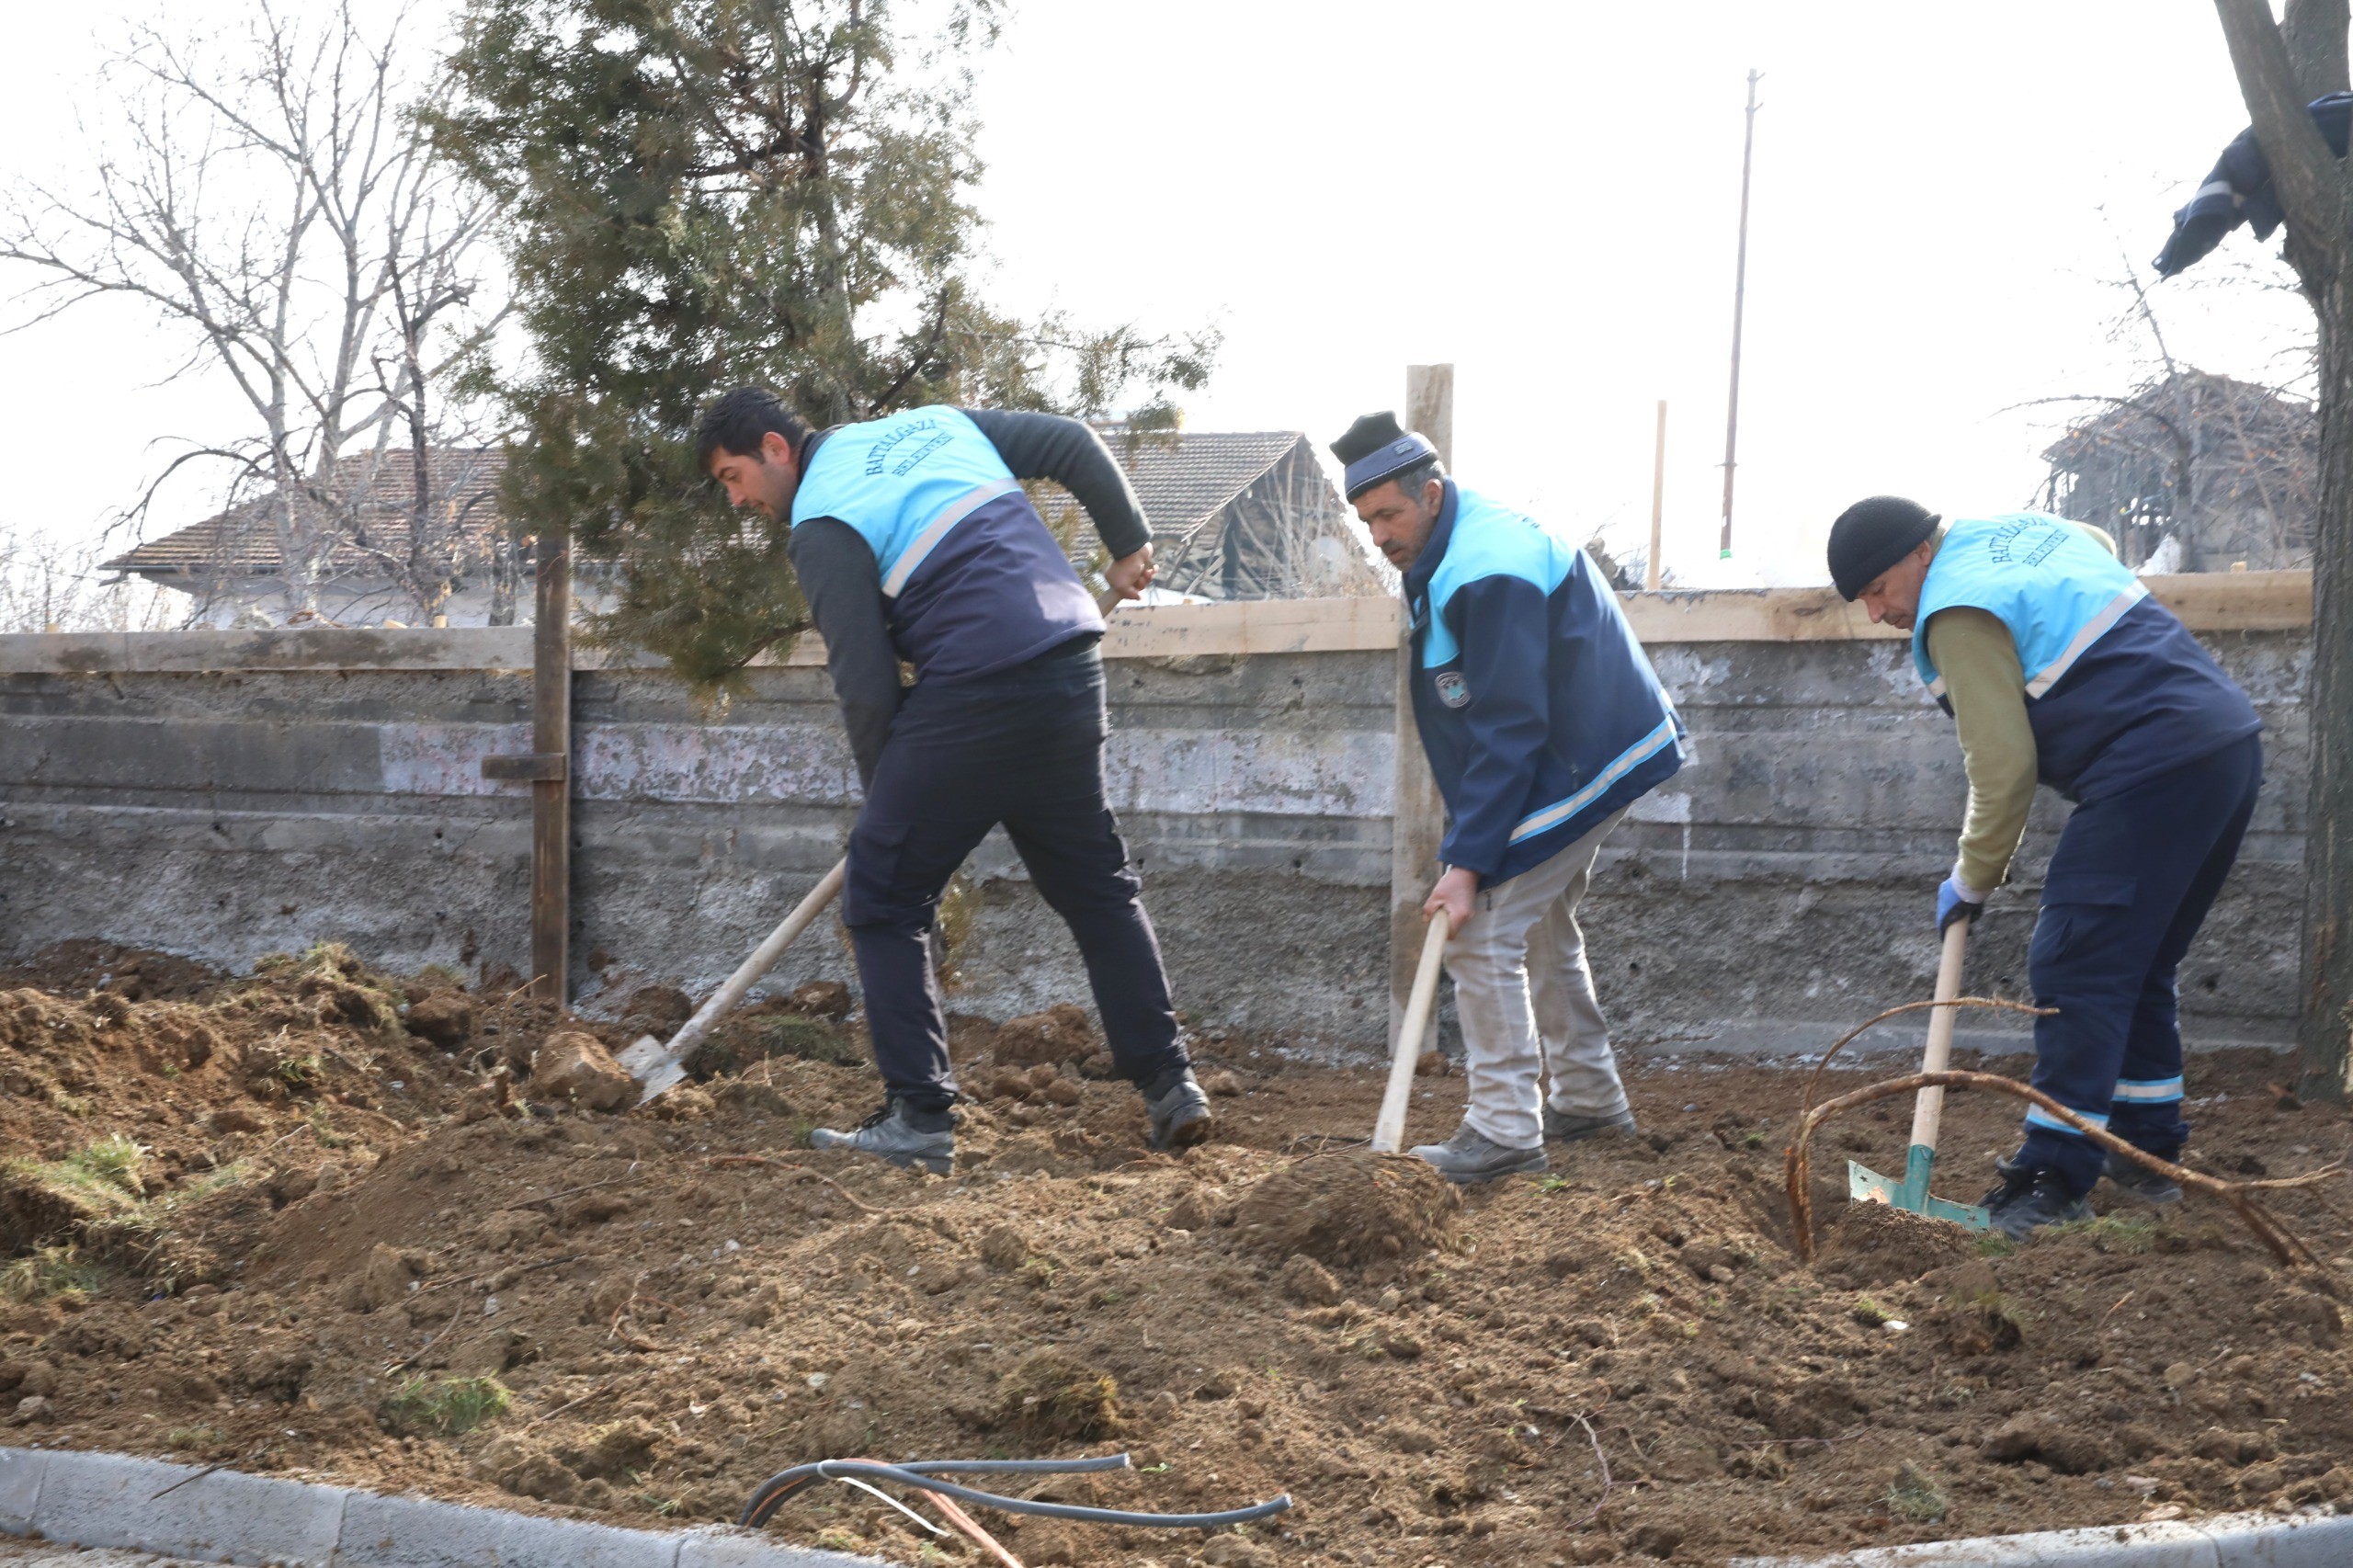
[(2268, 1228), (1814, 1081)]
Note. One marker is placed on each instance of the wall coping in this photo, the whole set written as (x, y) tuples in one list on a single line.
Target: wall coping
[(2207, 602)]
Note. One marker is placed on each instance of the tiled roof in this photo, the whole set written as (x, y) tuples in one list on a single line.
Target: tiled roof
[(1186, 479), (243, 541), (1184, 482)]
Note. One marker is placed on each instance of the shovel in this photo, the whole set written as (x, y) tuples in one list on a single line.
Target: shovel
[(1389, 1130), (657, 1067), (1866, 1186)]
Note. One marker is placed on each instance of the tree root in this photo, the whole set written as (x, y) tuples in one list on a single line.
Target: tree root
[(1813, 1080), (2268, 1228)]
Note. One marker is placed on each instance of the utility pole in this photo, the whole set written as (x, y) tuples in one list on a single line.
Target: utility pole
[(1739, 301), (1658, 500)]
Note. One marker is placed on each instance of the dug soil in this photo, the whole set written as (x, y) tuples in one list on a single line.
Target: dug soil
[(328, 1223)]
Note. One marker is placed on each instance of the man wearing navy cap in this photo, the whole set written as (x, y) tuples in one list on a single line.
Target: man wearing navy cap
[(1543, 721), (2057, 665)]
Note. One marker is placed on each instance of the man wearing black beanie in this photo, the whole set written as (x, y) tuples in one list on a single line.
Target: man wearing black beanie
[(1544, 723), (2058, 667)]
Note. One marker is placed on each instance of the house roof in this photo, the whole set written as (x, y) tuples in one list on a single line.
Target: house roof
[(243, 541), (1189, 479), (1184, 481)]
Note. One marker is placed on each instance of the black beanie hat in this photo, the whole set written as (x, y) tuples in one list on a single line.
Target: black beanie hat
[(1376, 448), (1872, 536)]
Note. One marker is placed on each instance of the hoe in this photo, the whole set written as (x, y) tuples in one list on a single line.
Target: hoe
[(1866, 1186)]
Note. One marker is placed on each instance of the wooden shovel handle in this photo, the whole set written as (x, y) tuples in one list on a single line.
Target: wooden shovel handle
[(1389, 1130), (1928, 1111)]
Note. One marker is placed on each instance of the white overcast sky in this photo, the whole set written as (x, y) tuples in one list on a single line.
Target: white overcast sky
[(1544, 194)]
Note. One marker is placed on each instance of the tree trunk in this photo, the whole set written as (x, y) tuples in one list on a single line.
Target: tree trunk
[(2327, 980)]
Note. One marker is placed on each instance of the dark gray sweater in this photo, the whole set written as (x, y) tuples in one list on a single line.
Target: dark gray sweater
[(844, 585)]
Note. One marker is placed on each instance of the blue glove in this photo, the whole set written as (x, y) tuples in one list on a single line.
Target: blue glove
[(1954, 904)]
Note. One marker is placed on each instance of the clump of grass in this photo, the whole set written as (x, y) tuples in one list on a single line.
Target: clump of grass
[(2113, 1233), (323, 1128), (1916, 1497), (1049, 1396), (446, 1407), (441, 977), (1993, 1243), (1869, 1313), (184, 1438), (49, 1273), (115, 1160)]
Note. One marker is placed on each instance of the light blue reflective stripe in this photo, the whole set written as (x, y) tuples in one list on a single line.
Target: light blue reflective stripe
[(2094, 629), (2038, 1117), (955, 512), (1555, 815), (2143, 1090)]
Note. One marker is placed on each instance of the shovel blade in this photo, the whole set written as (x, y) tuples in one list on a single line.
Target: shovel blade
[(1911, 1194), (654, 1066), (645, 1055)]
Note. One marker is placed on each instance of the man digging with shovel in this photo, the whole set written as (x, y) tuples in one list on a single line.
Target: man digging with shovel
[(2056, 665), (1544, 723), (913, 541)]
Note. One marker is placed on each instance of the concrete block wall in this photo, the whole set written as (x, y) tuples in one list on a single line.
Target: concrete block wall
[(225, 795)]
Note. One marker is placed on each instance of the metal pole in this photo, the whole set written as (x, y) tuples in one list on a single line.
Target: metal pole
[(552, 797), (1739, 301), (1418, 814), (1658, 500)]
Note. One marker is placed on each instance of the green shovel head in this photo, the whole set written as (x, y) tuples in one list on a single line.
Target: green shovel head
[(1866, 1186)]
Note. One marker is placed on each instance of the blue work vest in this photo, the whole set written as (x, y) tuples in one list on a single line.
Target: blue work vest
[(2117, 689), (1561, 655), (903, 481), (972, 580)]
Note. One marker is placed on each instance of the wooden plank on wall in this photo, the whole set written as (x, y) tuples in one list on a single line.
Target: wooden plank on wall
[(2207, 602)]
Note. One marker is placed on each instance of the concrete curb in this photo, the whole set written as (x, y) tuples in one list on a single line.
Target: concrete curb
[(114, 1500), (2225, 1541)]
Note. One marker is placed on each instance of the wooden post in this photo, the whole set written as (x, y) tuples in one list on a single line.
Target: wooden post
[(552, 797), (1417, 823), (1658, 500)]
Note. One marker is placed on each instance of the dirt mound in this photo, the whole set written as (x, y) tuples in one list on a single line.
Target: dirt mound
[(1059, 1034), (1348, 1208), (1872, 1244), (135, 974), (320, 1245)]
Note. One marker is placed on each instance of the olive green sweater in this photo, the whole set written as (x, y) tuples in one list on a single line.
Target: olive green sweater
[(1986, 687)]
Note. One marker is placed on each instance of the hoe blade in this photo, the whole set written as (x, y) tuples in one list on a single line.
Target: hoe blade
[(1866, 1186)]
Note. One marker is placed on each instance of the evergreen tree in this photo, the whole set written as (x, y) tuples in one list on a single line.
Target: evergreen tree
[(707, 193)]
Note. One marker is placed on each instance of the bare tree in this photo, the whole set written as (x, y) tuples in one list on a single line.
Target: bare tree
[(276, 201), (48, 584), (2282, 66)]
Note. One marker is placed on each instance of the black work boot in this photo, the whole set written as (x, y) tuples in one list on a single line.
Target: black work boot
[(2031, 1196), (2136, 1180), (1566, 1127), (901, 1134), (1179, 1110)]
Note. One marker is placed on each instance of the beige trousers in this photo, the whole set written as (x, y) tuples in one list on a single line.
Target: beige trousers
[(1525, 997)]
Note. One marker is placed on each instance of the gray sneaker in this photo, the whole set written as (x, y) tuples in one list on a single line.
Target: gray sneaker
[(901, 1134), (1470, 1156), (1561, 1127), (1179, 1112)]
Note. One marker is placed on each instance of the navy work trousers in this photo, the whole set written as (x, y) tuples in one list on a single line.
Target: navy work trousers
[(2129, 885), (1023, 747)]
